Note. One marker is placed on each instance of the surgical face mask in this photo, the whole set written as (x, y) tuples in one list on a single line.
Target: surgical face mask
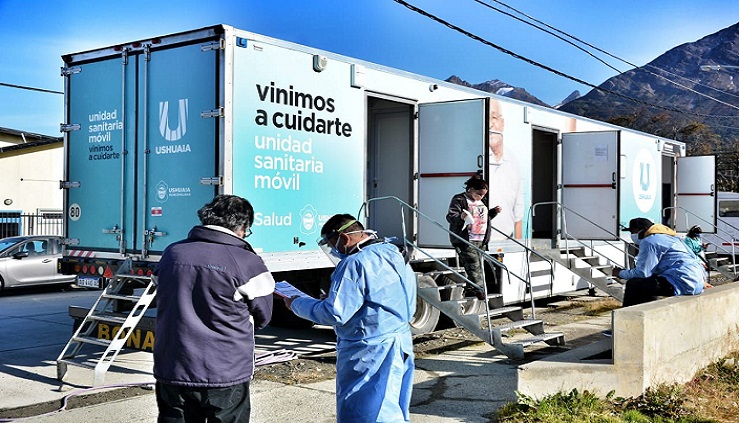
[(635, 238)]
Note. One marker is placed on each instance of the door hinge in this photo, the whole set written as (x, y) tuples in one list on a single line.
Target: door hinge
[(71, 71), (216, 180), (68, 184), (212, 113), (69, 127), (215, 45)]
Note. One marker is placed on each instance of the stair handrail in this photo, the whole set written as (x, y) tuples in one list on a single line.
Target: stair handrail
[(562, 211), (529, 252), (483, 254), (715, 230)]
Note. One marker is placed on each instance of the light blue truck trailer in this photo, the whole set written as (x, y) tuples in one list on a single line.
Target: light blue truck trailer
[(155, 128)]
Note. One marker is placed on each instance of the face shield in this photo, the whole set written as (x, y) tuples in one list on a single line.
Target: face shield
[(332, 250)]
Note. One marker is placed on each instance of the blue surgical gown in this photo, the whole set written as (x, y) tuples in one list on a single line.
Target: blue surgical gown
[(371, 301)]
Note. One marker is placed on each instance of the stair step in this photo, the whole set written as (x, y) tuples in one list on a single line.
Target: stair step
[(468, 299), (518, 324), (543, 272), (108, 318), (132, 298), (495, 312), (443, 287), (91, 340), (539, 338), (435, 273)]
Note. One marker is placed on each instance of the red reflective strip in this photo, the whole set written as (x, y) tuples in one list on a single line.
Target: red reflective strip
[(79, 253), (447, 175)]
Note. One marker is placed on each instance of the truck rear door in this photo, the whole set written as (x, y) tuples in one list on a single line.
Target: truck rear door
[(451, 139), (590, 175), (696, 193), (177, 146), (144, 157), (99, 95)]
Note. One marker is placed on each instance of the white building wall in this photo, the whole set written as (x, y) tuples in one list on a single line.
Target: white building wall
[(29, 179)]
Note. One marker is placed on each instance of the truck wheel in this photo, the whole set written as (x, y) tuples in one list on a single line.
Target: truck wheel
[(470, 306), (426, 317)]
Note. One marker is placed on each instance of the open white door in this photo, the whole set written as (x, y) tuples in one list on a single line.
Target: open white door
[(451, 148), (590, 176), (696, 193)]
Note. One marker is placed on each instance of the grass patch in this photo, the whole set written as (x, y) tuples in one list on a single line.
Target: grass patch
[(596, 308), (712, 396)]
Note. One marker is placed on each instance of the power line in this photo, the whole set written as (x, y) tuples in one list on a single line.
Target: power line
[(22, 87), (548, 68), (643, 69)]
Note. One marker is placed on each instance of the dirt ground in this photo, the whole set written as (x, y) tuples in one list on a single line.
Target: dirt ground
[(555, 311)]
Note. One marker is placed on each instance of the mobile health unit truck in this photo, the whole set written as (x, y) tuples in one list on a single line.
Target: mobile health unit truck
[(155, 128)]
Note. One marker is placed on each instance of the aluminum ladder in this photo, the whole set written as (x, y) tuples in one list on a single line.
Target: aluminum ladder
[(121, 289)]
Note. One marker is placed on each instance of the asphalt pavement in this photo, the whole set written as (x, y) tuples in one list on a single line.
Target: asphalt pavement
[(467, 384)]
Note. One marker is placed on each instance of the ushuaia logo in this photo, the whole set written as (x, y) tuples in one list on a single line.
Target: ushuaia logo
[(162, 191), (644, 180), (176, 134), (308, 220), (182, 113)]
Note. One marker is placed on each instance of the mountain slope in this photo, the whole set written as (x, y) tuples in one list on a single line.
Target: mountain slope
[(652, 84), (499, 88)]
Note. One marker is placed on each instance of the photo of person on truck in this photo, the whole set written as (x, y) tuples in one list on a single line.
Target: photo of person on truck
[(469, 219), (213, 293), (370, 303), (505, 179)]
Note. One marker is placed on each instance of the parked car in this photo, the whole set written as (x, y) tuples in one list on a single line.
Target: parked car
[(31, 260)]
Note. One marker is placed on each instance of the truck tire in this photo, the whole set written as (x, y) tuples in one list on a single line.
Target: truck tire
[(426, 317), (471, 306)]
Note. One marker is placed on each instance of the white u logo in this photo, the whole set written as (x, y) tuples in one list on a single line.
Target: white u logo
[(179, 132)]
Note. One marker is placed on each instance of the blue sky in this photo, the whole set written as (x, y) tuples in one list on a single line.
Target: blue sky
[(35, 33)]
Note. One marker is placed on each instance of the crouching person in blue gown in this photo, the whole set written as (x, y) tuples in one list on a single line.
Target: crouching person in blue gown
[(371, 300)]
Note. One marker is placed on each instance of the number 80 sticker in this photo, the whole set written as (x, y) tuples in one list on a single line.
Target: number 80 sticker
[(75, 212)]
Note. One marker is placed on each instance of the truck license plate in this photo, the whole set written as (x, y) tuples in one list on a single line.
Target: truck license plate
[(88, 282)]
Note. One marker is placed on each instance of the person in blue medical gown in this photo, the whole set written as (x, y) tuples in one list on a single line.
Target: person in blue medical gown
[(371, 300)]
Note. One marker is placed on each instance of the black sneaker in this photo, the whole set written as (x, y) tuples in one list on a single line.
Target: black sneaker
[(608, 333)]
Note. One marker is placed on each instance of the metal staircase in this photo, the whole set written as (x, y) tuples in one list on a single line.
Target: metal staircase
[(119, 304), (725, 265), (481, 317), (723, 257), (441, 286), (590, 266)]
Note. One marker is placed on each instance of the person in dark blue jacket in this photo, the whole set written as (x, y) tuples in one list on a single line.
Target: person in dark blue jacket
[(213, 292)]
